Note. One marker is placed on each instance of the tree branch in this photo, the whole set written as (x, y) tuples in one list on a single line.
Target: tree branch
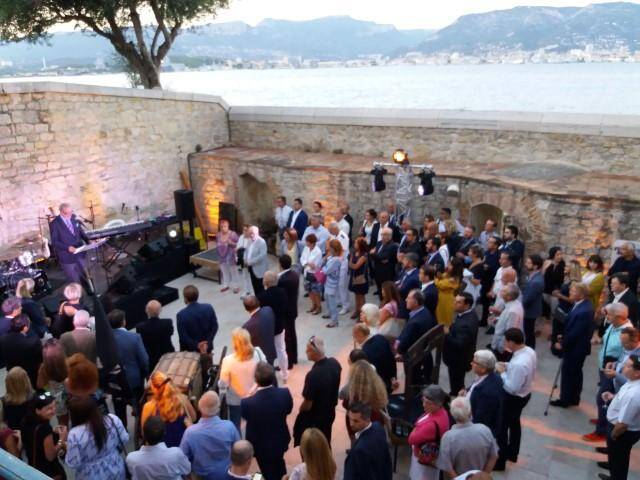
[(137, 28), (166, 45), (160, 19), (154, 43)]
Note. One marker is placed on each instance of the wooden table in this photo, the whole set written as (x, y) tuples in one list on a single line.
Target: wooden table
[(210, 260)]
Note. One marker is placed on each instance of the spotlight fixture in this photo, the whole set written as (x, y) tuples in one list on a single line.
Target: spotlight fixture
[(453, 190), (378, 172), (426, 181), (400, 157)]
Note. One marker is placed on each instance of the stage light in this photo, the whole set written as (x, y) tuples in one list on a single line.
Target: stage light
[(378, 172), (426, 182), (453, 190), (173, 233), (400, 157)]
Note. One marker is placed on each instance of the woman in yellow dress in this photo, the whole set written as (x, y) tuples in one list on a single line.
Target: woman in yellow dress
[(448, 284)]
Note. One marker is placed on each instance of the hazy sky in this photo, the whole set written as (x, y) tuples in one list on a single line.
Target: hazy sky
[(402, 13)]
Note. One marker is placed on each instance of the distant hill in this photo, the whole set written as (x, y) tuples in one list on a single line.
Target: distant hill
[(605, 26)]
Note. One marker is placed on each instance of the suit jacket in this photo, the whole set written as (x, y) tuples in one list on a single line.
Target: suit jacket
[(532, 296), (384, 261), (408, 282), (23, 351), (417, 325), (379, 354), (261, 326), (79, 341), (156, 336), (631, 301), (516, 251), (375, 232), (487, 403), (133, 356), (32, 310), (436, 260), (266, 415), (349, 220), (276, 298), (369, 458), (301, 222), (290, 282), (62, 238), (256, 257), (430, 294), (460, 342), (578, 328), (196, 322)]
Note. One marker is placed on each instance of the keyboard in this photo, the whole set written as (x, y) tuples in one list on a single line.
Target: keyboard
[(127, 229)]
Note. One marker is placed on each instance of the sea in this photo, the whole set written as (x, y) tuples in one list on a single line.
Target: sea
[(603, 88)]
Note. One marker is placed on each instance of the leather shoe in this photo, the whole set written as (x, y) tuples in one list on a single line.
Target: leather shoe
[(559, 403), (604, 465), (604, 476), (500, 466), (603, 450)]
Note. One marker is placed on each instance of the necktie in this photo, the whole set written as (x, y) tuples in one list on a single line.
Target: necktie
[(69, 225)]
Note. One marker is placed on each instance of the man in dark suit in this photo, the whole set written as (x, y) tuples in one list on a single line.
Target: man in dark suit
[(156, 333), (384, 257), (490, 265), (261, 325), (408, 280), (460, 341), (468, 241), (266, 415), (289, 280), (627, 263), (420, 322), (133, 359), (485, 394), (575, 345), (66, 236), (513, 245), (298, 218), (21, 349), (409, 244), (369, 457), (622, 293), (276, 298), (427, 277), (532, 298), (433, 253), (197, 323), (378, 353)]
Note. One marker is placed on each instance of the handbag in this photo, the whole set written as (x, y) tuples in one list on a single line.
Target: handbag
[(240, 254), (391, 328), (428, 452), (320, 276)]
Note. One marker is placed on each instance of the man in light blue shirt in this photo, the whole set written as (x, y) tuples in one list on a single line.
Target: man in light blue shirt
[(154, 460), (207, 444), (319, 231)]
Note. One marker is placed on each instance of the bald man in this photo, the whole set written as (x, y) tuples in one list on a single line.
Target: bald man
[(208, 443), (156, 333)]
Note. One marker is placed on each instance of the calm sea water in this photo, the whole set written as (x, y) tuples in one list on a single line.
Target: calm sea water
[(587, 88)]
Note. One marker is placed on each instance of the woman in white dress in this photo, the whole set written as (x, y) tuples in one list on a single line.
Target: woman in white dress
[(370, 217), (311, 260)]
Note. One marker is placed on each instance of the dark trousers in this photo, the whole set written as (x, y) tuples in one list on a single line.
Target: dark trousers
[(486, 303), (256, 282), (456, 377), (291, 341), (606, 385), (571, 381), (272, 468), (530, 332), (120, 405), (619, 452), (511, 431)]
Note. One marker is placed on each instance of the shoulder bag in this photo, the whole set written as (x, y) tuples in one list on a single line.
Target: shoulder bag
[(429, 451)]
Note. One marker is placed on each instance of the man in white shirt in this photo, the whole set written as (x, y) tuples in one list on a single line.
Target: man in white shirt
[(445, 214), (346, 221), (282, 213), (383, 220), (623, 415), (488, 232), (155, 460), (517, 377), (511, 317), (321, 233), (241, 459)]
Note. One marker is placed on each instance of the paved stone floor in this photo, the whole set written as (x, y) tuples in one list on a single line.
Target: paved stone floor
[(551, 446)]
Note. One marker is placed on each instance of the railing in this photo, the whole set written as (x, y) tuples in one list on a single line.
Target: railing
[(12, 468)]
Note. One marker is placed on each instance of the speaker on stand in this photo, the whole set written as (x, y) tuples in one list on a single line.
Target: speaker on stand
[(185, 209)]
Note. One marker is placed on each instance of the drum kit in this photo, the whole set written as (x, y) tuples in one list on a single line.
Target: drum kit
[(23, 261)]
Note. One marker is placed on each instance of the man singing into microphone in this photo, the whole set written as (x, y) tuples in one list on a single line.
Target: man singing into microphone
[(66, 236)]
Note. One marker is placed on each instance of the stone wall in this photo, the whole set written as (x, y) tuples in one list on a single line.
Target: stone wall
[(600, 143), (92, 145)]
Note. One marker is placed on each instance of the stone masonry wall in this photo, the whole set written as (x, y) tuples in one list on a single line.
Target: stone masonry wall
[(103, 145)]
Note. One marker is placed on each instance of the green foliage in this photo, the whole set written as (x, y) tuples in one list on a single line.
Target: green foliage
[(119, 21)]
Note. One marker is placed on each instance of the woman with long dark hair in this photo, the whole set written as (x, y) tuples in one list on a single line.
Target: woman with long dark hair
[(52, 375), (358, 277), (95, 445)]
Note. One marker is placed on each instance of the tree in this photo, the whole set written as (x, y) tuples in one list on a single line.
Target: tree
[(119, 21)]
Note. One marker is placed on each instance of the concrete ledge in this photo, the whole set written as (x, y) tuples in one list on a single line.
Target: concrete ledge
[(540, 122), (60, 87)]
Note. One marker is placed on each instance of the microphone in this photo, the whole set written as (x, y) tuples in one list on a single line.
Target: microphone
[(123, 207)]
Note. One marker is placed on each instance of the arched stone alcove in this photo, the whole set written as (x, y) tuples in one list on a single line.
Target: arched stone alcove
[(255, 203), (482, 212)]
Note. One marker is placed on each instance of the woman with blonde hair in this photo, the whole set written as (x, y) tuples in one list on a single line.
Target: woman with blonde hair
[(171, 405), (237, 372), (68, 308), (16, 401), (370, 315), (30, 308), (52, 374), (317, 457)]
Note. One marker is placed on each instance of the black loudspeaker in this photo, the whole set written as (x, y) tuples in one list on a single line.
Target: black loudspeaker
[(185, 208), (165, 294), (125, 281), (155, 249), (228, 211)]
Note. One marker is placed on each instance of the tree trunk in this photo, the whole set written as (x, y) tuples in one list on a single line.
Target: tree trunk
[(149, 75), (145, 68)]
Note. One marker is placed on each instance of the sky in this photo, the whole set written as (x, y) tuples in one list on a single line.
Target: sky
[(404, 14)]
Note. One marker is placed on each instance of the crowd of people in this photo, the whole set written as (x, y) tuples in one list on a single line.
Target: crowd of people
[(60, 414)]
